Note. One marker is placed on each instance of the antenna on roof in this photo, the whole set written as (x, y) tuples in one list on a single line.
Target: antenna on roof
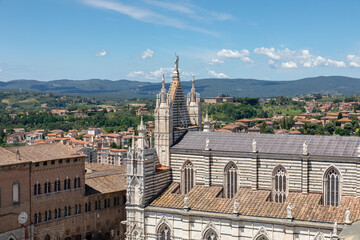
[(18, 153)]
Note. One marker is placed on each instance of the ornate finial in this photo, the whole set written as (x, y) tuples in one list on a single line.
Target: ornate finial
[(206, 116), (305, 148), (347, 216), (236, 204), (335, 228), (163, 80), (186, 202), (254, 146), (133, 142), (141, 127), (289, 209), (193, 81), (207, 144), (176, 63)]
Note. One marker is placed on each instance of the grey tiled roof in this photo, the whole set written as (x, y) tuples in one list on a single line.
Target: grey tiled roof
[(271, 143)]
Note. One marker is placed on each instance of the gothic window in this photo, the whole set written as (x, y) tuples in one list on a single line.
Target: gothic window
[(230, 180), (57, 186), (164, 232), (332, 186), (262, 237), (16, 192), (280, 184), (188, 179), (46, 216), (47, 187), (56, 214), (210, 235), (37, 189), (77, 182)]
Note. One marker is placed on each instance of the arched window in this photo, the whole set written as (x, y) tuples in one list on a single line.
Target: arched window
[(77, 182), (280, 184), (188, 178), (230, 180), (332, 186), (47, 187), (16, 192), (57, 186), (56, 214), (262, 237), (164, 232), (210, 235)]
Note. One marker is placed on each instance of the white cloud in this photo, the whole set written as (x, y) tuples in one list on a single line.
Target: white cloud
[(244, 55), (296, 58), (144, 14), (101, 53), (0, 70), (136, 74), (157, 74), (217, 75), (147, 54), (289, 65), (354, 61), (215, 61)]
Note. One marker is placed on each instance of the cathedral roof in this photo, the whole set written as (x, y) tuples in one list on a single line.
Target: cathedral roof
[(271, 143), (306, 207)]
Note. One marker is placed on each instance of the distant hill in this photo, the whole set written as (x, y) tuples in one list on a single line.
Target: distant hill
[(207, 87)]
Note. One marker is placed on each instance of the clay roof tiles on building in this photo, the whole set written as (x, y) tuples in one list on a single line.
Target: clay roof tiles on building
[(306, 207), (100, 179), (45, 152), (271, 143)]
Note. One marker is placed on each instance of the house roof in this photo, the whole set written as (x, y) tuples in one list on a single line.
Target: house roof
[(9, 158), (101, 179), (306, 207), (45, 152), (271, 143)]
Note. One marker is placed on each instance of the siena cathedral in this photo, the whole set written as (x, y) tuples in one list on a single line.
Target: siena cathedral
[(198, 184)]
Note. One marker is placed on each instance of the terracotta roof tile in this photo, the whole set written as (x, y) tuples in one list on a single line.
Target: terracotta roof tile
[(306, 207)]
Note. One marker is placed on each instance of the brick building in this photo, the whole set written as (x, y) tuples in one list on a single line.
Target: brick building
[(48, 183)]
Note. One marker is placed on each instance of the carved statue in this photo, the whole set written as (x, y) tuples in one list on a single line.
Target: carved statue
[(289, 211), (207, 144), (236, 204), (186, 202), (254, 146), (347, 216), (305, 149), (176, 63), (335, 228)]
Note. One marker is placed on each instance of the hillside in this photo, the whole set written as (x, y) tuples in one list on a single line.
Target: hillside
[(207, 87)]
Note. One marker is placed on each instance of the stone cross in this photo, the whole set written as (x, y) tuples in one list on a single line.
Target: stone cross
[(289, 211), (236, 204), (254, 146), (305, 148), (347, 216)]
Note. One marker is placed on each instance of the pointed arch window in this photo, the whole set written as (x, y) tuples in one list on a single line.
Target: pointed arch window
[(332, 187), (262, 237), (210, 235), (164, 232), (280, 184), (231, 180), (188, 177)]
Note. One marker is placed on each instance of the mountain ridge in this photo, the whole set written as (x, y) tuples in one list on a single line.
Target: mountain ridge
[(207, 87)]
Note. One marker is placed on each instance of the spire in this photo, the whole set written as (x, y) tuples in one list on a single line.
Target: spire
[(193, 83), (133, 142), (141, 142), (141, 126), (207, 123), (163, 90)]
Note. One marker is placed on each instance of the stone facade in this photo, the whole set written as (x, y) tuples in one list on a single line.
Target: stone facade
[(226, 185)]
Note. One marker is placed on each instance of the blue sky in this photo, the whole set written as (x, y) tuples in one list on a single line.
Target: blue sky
[(137, 40)]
